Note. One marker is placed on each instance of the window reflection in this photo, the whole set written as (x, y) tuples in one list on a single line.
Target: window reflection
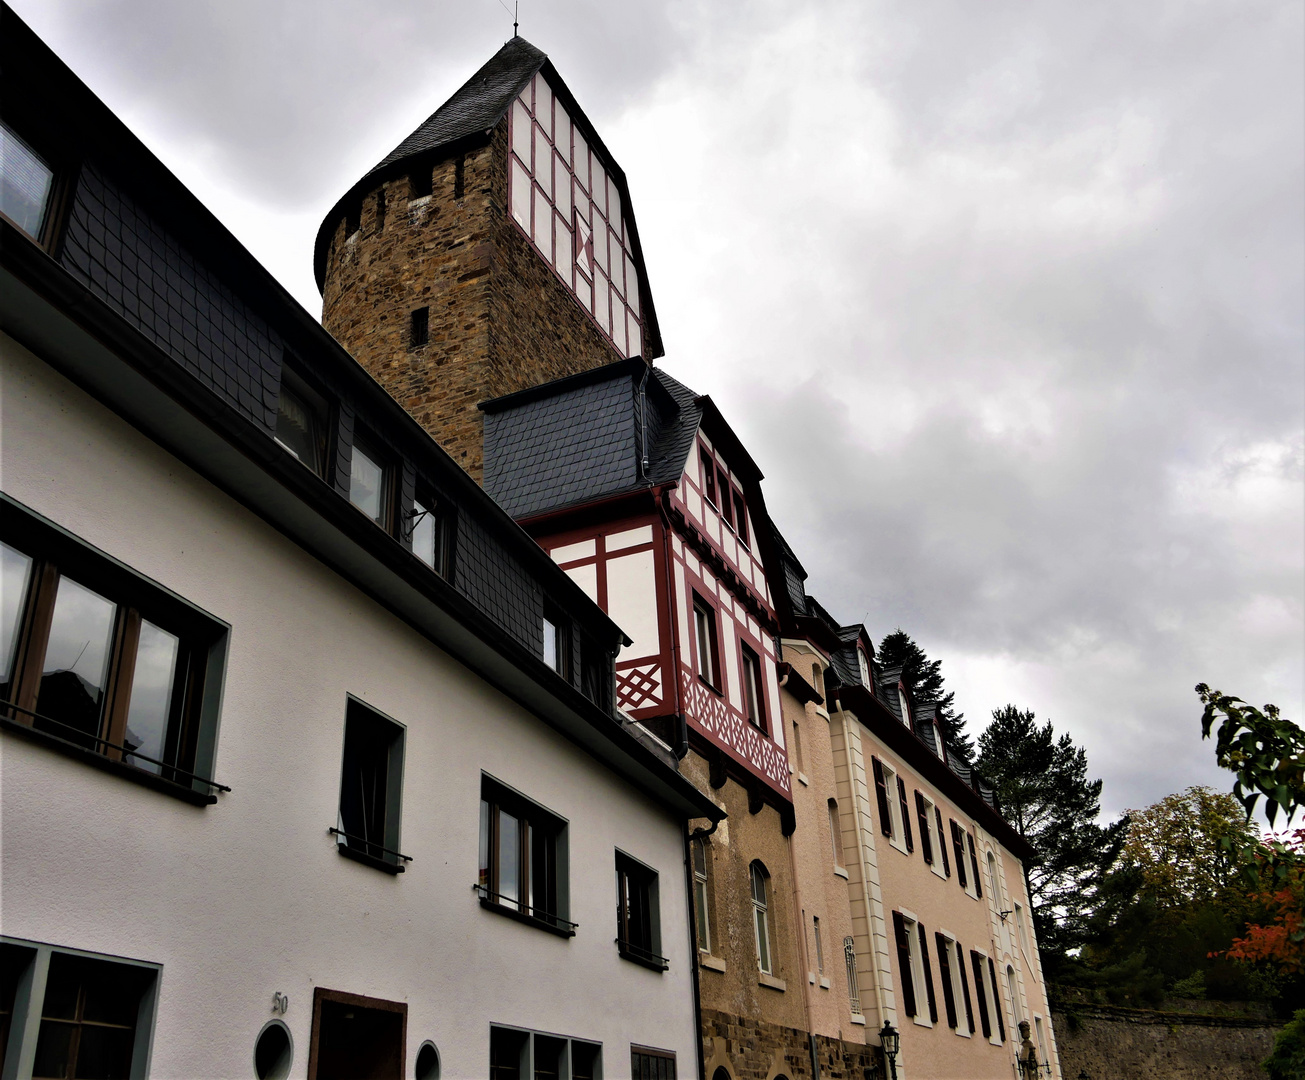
[(75, 672), (25, 182), (424, 533), (151, 694), (15, 572), (508, 856), (367, 485)]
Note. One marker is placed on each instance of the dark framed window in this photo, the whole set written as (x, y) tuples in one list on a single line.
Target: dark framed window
[(754, 689), (958, 849), (96, 1015), (596, 672), (371, 481), (741, 519), (906, 814), (557, 641), (649, 1064), (760, 883), (354, 1035), (523, 858), (371, 789), (517, 1054), (974, 865), (701, 894), (708, 475), (431, 530), (302, 421), (708, 648), (942, 842), (420, 182), (926, 841), (638, 913), (27, 185), (419, 327), (726, 505), (882, 777), (103, 661)]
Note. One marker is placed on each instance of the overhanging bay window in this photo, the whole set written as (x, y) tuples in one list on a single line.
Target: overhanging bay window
[(523, 859), (102, 662)]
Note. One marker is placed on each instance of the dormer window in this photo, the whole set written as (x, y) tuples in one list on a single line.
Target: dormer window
[(25, 184), (726, 507), (901, 702), (708, 477), (938, 741), (864, 665)]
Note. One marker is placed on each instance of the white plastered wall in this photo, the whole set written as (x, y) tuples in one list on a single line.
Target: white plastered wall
[(249, 897)]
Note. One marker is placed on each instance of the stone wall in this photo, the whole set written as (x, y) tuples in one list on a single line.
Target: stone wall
[(750, 1049), (1107, 1042), (500, 319)]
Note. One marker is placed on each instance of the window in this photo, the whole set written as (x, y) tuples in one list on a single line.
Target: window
[(922, 808), (959, 966), (557, 641), (913, 964), (596, 673), (974, 865), (420, 183), (638, 916), (523, 863), (942, 843), (25, 184), (958, 849), (797, 747), (701, 899), (1019, 928), (886, 783), (820, 948), (708, 476), (853, 984), (353, 1035), (646, 1064), (301, 422), (994, 892), (741, 519), (761, 916), (836, 834), (104, 663), (1013, 991), (460, 176), (380, 208), (1037, 1028), (274, 1052), (430, 530), (951, 988), (704, 624), (754, 690), (96, 1014), (419, 328), (371, 784), (905, 708), (906, 814), (509, 1054), (726, 506), (370, 482), (994, 995), (863, 665)]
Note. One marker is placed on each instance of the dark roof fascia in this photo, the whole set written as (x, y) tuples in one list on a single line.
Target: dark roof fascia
[(389, 170), (885, 726), (795, 684), (817, 631), (48, 311), (637, 501), (96, 133), (629, 368), (717, 429)]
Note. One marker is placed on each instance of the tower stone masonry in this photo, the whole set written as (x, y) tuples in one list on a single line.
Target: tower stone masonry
[(430, 228)]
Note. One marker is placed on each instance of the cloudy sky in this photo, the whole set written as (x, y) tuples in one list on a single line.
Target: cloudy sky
[(1005, 298)]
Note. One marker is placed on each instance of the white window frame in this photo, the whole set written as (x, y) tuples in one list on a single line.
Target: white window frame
[(958, 988), (761, 920), (931, 820), (700, 888), (894, 807), (863, 663), (990, 1000), (912, 924), (904, 705)]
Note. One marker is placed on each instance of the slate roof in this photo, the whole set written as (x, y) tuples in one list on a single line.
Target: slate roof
[(583, 438)]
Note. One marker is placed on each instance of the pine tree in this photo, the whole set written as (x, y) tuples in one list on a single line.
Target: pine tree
[(1044, 792), (923, 677)]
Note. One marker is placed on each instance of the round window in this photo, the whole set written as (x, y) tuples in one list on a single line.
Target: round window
[(273, 1052), (428, 1062)]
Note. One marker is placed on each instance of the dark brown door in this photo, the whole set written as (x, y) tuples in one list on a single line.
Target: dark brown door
[(357, 1038)]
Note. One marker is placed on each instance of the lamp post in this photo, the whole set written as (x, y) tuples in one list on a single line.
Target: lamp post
[(890, 1042)]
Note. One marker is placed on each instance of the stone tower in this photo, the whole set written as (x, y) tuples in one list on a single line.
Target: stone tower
[(493, 250)]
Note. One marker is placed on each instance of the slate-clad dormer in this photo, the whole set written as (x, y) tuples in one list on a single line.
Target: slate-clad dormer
[(493, 250)]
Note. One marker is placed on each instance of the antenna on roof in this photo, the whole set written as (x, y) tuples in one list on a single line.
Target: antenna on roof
[(516, 11)]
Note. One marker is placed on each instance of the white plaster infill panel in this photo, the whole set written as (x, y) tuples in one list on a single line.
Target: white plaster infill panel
[(632, 601)]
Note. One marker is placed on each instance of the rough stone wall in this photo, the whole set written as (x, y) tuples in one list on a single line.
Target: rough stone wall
[(500, 320), (751, 1049), (1114, 1042)]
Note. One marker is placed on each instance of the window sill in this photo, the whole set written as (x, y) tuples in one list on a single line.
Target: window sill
[(106, 764), (711, 963), (841, 871), (824, 982), (938, 873), (528, 920), (714, 689), (771, 982), (858, 1018), (921, 1022), (370, 860), (802, 779), (659, 965)]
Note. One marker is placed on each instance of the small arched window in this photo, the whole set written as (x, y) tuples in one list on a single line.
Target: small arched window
[(761, 916), (836, 833)]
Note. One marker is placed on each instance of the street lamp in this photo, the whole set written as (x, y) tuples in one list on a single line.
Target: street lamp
[(890, 1041)]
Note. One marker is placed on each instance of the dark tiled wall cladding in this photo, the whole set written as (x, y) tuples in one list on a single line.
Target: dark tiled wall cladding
[(154, 283), (144, 274)]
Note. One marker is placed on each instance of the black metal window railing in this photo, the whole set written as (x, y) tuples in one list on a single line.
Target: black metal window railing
[(646, 955), (511, 903), (79, 738), (368, 847)]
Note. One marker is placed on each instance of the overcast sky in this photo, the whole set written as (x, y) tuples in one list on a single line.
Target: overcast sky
[(1005, 298)]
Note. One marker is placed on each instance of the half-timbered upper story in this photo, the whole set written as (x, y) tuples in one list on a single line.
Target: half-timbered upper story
[(640, 490)]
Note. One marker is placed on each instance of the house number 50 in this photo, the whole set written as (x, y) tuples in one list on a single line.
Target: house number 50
[(280, 1003)]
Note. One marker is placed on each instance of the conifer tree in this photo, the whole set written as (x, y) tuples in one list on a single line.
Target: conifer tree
[(923, 677), (1044, 792)]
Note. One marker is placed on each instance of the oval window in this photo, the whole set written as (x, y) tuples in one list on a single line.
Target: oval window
[(273, 1052), (428, 1062)]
